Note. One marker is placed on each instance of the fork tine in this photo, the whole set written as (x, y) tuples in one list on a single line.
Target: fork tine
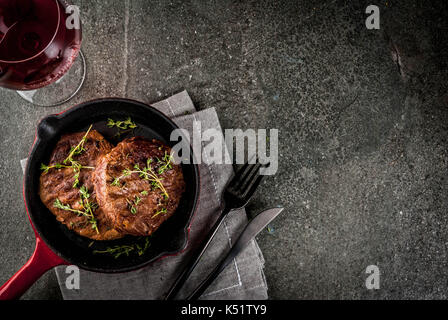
[(242, 173), (251, 175), (237, 174), (245, 176), (255, 180), (252, 187)]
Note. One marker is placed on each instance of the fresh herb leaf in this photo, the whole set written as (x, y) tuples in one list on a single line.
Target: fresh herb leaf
[(116, 182), (141, 250), (75, 165), (118, 251), (46, 168), (89, 207), (78, 149), (121, 125), (133, 204), (76, 182), (146, 173), (163, 210), (165, 163)]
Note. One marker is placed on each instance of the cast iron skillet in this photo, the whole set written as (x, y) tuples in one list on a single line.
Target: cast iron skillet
[(55, 243)]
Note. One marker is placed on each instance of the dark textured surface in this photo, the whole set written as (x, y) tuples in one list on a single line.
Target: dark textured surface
[(362, 117)]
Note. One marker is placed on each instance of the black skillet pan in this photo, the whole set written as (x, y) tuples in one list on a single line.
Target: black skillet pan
[(55, 243)]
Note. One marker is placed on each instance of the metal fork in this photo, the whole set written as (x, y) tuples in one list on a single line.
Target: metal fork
[(236, 196)]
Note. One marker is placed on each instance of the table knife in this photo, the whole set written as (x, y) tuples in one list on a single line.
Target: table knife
[(258, 223)]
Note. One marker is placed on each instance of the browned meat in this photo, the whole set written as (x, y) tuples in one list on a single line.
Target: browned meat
[(57, 183), (137, 185)]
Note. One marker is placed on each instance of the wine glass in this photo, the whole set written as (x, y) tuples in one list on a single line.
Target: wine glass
[(40, 55)]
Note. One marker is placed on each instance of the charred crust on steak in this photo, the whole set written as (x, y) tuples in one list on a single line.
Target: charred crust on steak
[(57, 183), (135, 205)]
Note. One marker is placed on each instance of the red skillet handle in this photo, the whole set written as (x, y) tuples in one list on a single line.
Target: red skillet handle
[(42, 260)]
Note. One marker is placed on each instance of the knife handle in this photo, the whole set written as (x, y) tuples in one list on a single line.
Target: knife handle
[(182, 278), (215, 273)]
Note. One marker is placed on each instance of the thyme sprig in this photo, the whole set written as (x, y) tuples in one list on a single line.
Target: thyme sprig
[(118, 250), (74, 151), (78, 149), (146, 173), (75, 165), (165, 163), (149, 174), (142, 249), (123, 125), (89, 207), (163, 210), (46, 168), (133, 204), (58, 204)]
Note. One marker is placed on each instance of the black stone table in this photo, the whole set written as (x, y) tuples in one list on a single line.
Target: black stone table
[(362, 114)]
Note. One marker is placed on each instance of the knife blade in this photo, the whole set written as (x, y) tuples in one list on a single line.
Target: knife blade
[(258, 223)]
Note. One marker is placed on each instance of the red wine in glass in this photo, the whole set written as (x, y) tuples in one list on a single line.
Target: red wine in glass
[(36, 46)]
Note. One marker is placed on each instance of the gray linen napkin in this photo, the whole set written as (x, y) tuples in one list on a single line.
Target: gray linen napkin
[(242, 279)]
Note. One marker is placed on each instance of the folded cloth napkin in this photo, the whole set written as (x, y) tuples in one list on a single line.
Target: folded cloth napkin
[(242, 279)]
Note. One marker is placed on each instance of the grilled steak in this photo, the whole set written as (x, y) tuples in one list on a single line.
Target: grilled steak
[(57, 184), (137, 185)]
